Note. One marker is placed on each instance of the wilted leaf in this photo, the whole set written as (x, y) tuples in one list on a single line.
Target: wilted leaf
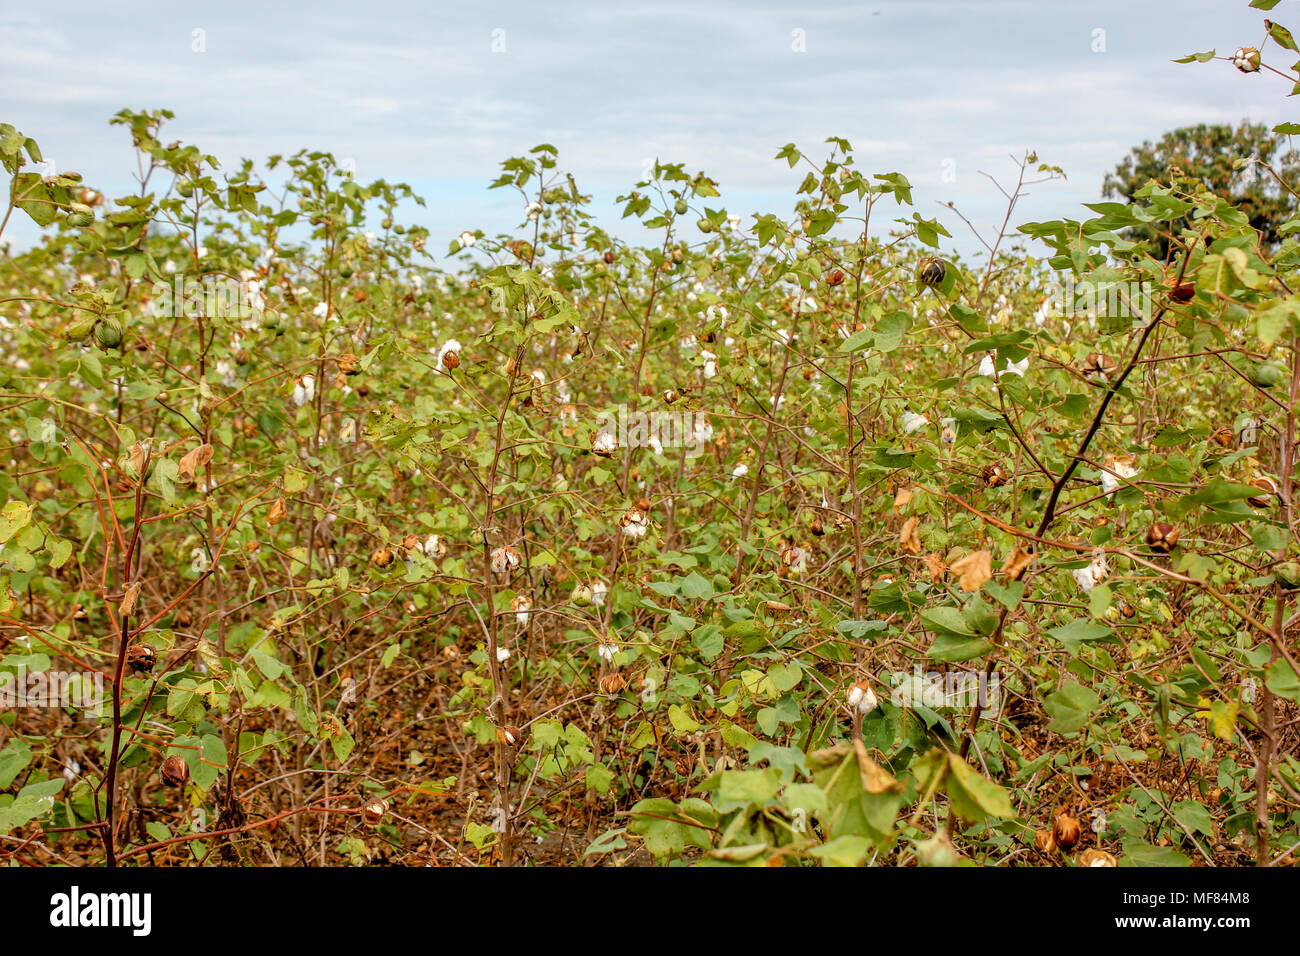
[(908, 538), (973, 570)]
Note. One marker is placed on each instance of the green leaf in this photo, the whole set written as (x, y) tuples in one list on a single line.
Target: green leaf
[(12, 761), (1194, 816), (1140, 853), (953, 649), (890, 330), (949, 620), (682, 720), (1282, 680), (1069, 707), (1079, 631), (843, 851), (1281, 36), (33, 801), (13, 518), (974, 797), (655, 821), (695, 587)]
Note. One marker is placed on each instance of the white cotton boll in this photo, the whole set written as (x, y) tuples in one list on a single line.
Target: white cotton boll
[(986, 367), (321, 310), (912, 422), (862, 699), (703, 432), (521, 605), (534, 209), (468, 238), (304, 390), (635, 524), (1089, 577), (226, 369), (656, 445), (503, 654), (710, 363), (1113, 475), (603, 443), (598, 592), (740, 471), (606, 651)]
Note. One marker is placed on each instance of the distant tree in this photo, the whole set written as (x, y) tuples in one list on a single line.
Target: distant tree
[(1211, 154)]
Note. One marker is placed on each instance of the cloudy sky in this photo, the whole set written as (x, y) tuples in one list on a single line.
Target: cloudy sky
[(436, 94)]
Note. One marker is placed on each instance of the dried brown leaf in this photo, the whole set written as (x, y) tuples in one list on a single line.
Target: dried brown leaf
[(875, 778), (973, 570), (127, 607), (278, 511), (908, 538), (192, 462), (1016, 564)]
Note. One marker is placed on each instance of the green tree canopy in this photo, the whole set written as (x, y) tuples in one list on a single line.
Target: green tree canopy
[(1233, 163)]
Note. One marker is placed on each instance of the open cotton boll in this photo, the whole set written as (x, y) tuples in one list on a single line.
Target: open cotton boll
[(521, 605), (635, 524), (988, 369), (304, 390), (1114, 474), (710, 363), (862, 699), (912, 422), (1089, 577)]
